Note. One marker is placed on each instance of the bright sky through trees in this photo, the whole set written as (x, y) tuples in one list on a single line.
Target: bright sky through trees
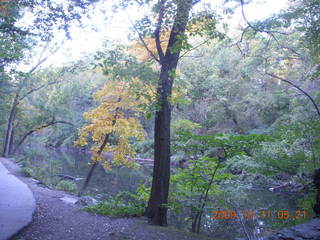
[(96, 30)]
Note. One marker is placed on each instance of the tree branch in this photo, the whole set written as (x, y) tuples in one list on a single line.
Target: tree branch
[(297, 87), (253, 27), (158, 30), (142, 41), (37, 129), (42, 86), (195, 47), (241, 38), (43, 59)]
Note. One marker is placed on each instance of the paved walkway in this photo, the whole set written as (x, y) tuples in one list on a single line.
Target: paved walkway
[(17, 204)]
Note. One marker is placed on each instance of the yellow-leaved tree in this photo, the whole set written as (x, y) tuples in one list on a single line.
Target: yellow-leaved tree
[(117, 116)]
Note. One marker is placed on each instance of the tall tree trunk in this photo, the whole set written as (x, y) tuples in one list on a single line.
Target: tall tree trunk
[(156, 209), (161, 170), (10, 126)]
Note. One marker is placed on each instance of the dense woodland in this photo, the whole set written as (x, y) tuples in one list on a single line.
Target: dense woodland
[(209, 102)]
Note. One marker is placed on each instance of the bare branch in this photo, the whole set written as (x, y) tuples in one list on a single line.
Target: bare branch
[(142, 41), (42, 60), (42, 86), (241, 38), (195, 47), (271, 33), (253, 27)]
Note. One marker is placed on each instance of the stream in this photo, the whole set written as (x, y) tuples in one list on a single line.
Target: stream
[(270, 209)]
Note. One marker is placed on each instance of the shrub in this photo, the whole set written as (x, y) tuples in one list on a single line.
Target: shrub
[(124, 204), (28, 172), (278, 157), (121, 209), (67, 186), (242, 163)]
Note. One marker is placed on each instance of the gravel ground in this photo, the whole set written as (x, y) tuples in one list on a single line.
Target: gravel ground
[(57, 220)]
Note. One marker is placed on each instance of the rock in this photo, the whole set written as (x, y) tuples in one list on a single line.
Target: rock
[(86, 201), (69, 199), (309, 230), (316, 182)]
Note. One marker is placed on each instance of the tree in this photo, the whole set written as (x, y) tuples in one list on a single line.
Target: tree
[(116, 117), (48, 124), (13, 40), (168, 61), (26, 85), (47, 17), (172, 20)]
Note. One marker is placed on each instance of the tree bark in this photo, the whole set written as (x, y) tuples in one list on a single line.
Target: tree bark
[(9, 133), (93, 166), (156, 210)]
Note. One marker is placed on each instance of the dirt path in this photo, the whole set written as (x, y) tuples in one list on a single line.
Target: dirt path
[(57, 220)]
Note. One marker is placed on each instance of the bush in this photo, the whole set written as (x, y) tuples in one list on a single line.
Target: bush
[(279, 158), (121, 209), (124, 204), (67, 186), (144, 148), (28, 172), (244, 164)]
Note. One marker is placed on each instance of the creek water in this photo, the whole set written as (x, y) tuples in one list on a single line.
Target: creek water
[(258, 210)]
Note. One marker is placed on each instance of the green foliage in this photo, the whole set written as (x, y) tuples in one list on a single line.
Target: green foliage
[(185, 124), (304, 16), (276, 156), (194, 186), (231, 145), (241, 164), (144, 148), (191, 184), (124, 204), (28, 172), (297, 149), (67, 186), (13, 40)]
